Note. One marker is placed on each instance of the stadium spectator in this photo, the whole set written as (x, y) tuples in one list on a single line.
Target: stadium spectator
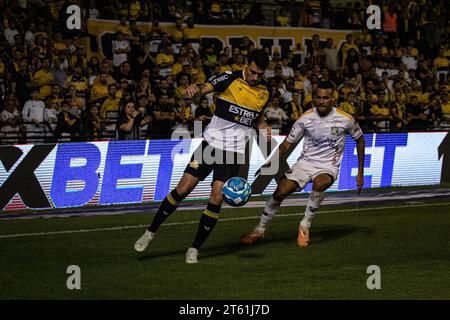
[(283, 19), (121, 48), (287, 70), (164, 115), (346, 47), (92, 123), (330, 55), (398, 112), (33, 115), (100, 90), (67, 122), (275, 115), (192, 35), (203, 113), (293, 110), (415, 116), (255, 15), (209, 58), (350, 105), (165, 60), (21, 82), (315, 54), (10, 123), (111, 103), (130, 122), (445, 107), (93, 11), (51, 111)]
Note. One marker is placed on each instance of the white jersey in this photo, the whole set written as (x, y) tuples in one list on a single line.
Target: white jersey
[(324, 136)]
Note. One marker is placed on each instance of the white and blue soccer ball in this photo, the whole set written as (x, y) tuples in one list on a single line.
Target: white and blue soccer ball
[(236, 191)]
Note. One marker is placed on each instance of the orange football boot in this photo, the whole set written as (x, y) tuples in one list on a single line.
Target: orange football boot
[(251, 237), (303, 237)]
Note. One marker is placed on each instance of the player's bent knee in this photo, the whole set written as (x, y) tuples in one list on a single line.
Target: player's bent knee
[(320, 186), (216, 198), (183, 190), (322, 183), (186, 185), (284, 190)]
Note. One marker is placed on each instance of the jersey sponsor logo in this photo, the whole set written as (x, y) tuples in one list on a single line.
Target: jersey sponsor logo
[(322, 143), (219, 79), (243, 116), (234, 113)]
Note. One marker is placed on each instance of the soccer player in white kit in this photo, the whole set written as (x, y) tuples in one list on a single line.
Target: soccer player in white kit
[(324, 128)]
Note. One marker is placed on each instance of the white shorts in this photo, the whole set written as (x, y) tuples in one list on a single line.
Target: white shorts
[(304, 171)]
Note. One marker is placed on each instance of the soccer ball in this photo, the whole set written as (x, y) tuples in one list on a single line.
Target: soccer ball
[(236, 191)]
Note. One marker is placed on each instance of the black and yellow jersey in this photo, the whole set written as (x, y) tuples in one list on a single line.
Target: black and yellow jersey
[(238, 101), (238, 107)]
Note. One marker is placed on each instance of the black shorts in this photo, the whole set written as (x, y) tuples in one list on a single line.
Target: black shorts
[(206, 159)]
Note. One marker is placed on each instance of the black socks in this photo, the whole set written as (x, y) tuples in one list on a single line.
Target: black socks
[(206, 224), (167, 207)]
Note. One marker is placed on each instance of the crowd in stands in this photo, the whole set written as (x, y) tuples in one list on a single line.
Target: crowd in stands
[(392, 79)]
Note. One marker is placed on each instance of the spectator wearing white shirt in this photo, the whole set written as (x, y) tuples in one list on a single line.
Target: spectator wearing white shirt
[(93, 12), (10, 123), (270, 70), (10, 32), (30, 35), (331, 55), (288, 72), (33, 112), (409, 60), (51, 117), (275, 115), (121, 47)]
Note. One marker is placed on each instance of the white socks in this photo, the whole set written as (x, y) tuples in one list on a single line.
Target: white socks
[(272, 206), (270, 209), (314, 201)]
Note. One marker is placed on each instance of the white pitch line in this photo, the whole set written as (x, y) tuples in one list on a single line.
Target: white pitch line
[(49, 233)]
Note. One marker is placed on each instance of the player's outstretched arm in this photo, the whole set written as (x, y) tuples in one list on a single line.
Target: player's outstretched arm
[(360, 149), (194, 89)]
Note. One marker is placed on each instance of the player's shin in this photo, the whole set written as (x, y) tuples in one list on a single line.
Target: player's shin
[(207, 223), (270, 209), (167, 207), (314, 201)]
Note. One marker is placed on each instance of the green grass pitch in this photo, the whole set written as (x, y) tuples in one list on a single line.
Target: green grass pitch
[(409, 242)]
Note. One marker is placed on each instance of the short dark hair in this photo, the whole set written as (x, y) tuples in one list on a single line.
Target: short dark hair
[(260, 57), (325, 85)]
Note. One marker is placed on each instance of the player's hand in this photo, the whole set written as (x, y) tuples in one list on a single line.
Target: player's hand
[(359, 182), (191, 90)]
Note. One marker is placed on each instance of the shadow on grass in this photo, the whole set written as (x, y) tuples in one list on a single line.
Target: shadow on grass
[(319, 236)]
